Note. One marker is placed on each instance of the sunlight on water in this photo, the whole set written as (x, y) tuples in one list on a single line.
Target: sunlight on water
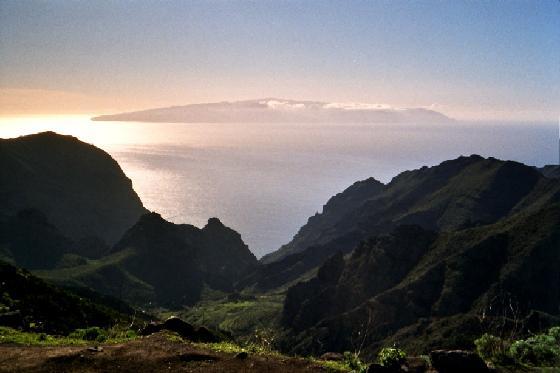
[(265, 180), (98, 133)]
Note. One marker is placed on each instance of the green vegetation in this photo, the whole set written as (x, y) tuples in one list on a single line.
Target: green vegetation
[(250, 319), (234, 348), (391, 357), (493, 349), (80, 337), (103, 335), (353, 362), (333, 366), (540, 350), (31, 304), (107, 275)]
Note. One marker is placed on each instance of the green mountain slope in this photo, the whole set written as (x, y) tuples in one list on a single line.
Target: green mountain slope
[(454, 195), (424, 290), (30, 303)]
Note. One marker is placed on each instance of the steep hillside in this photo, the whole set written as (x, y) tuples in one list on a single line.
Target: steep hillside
[(335, 208), (80, 188), (179, 260), (29, 303), (454, 195), (424, 290)]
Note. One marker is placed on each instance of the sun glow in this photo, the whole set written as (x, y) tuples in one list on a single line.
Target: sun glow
[(104, 135)]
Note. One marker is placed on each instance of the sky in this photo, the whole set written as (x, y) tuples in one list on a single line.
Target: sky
[(476, 60)]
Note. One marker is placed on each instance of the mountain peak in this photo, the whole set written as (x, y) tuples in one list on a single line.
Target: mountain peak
[(214, 222)]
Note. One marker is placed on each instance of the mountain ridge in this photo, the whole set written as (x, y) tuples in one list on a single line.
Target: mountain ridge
[(468, 190)]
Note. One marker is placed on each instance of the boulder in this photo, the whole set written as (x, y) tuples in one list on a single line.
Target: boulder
[(415, 364), (184, 329), (457, 361)]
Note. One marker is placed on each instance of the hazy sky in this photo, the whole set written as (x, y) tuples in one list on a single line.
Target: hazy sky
[(487, 59)]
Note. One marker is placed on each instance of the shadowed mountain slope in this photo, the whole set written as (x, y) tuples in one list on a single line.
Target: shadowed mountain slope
[(454, 195), (424, 290), (28, 240), (32, 304), (164, 263), (179, 260), (551, 171), (80, 188)]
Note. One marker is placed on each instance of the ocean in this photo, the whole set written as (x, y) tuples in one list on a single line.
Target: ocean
[(264, 180)]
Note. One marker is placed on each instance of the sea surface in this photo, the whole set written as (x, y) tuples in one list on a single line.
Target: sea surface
[(265, 180)]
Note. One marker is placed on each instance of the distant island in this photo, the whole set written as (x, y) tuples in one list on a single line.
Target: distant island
[(273, 110)]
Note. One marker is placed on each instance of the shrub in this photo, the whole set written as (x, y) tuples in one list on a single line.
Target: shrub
[(263, 339), (492, 348), (352, 360), (391, 357), (541, 350), (90, 334), (555, 333)]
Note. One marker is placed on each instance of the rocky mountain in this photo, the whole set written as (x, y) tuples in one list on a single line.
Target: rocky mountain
[(80, 188), (164, 263), (273, 110), (421, 289), (180, 260), (454, 195)]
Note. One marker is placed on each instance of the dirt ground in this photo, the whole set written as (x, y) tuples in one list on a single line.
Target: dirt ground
[(155, 353)]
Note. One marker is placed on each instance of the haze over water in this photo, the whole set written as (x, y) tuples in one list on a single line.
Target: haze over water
[(265, 180)]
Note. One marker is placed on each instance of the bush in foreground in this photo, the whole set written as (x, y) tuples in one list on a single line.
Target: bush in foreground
[(541, 350), (391, 357)]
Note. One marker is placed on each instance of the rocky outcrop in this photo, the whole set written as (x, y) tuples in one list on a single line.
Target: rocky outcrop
[(80, 188), (457, 361), (184, 329), (178, 260)]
